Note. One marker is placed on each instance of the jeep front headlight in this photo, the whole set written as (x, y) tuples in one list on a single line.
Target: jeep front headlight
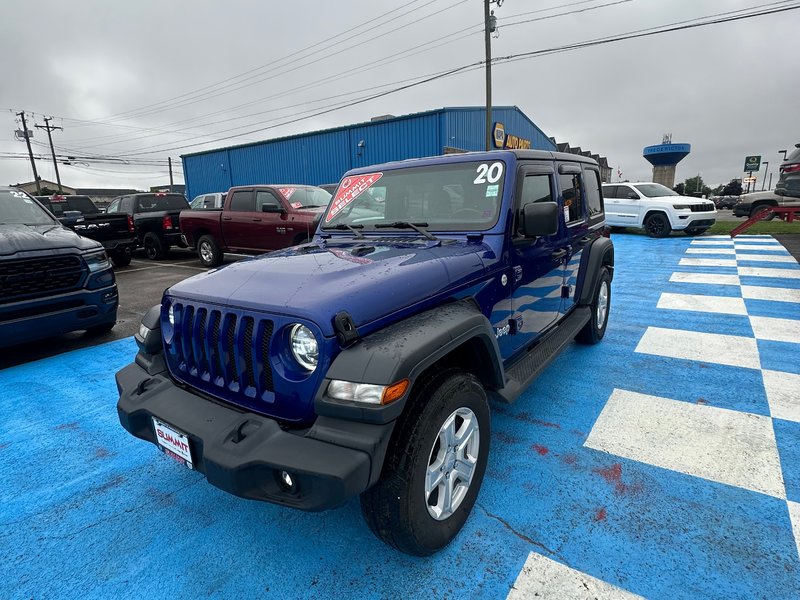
[(681, 206), (305, 349)]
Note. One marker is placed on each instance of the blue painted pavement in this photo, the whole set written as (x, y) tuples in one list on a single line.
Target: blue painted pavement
[(88, 511)]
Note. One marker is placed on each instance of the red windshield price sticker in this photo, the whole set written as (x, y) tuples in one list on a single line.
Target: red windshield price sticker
[(287, 192), (350, 189)]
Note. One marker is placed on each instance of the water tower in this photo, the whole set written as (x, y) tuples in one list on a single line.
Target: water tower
[(664, 157)]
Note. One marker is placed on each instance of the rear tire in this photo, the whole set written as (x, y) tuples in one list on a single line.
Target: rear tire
[(209, 252), (434, 465), (595, 329), (153, 248), (657, 225), (121, 258)]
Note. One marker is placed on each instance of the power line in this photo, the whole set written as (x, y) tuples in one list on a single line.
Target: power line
[(671, 27), (418, 49), (259, 78)]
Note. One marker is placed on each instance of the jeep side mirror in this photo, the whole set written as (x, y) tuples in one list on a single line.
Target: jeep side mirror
[(633, 196), (272, 208), (540, 219)]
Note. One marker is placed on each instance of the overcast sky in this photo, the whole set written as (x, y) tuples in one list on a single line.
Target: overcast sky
[(729, 89)]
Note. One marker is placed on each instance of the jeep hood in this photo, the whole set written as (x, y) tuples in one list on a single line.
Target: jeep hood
[(366, 278), (27, 238)]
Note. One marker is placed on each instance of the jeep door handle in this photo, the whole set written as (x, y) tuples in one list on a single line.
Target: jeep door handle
[(259, 220), (558, 254), (227, 218)]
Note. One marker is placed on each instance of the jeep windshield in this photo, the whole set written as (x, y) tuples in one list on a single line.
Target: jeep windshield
[(17, 208), (445, 197)]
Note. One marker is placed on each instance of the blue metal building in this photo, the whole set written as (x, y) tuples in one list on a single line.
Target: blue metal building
[(323, 156)]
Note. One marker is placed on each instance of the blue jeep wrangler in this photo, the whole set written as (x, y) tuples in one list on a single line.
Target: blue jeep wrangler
[(362, 362)]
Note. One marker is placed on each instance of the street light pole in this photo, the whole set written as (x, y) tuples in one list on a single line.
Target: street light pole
[(763, 183)]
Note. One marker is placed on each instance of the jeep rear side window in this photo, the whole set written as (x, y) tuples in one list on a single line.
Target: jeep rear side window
[(573, 198), (535, 188), (593, 201), (243, 201)]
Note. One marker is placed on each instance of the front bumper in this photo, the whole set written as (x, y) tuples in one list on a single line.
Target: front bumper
[(30, 320), (174, 238), (244, 453)]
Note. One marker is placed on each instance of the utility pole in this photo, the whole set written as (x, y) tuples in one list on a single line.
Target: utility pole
[(169, 162), (488, 41), (766, 168), (490, 27), (50, 128), (30, 152)]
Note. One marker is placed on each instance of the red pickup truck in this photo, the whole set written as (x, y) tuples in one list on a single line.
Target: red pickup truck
[(255, 219)]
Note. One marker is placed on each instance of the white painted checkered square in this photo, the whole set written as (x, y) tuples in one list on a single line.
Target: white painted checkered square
[(701, 303), (726, 446), (716, 348), (776, 330)]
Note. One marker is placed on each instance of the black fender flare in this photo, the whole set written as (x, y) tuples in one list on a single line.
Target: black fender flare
[(595, 257), (404, 350)]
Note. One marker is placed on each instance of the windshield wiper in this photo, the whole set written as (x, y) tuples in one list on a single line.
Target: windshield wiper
[(418, 227), (354, 228)]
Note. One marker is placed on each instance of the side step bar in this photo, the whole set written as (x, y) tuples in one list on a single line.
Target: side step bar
[(528, 368)]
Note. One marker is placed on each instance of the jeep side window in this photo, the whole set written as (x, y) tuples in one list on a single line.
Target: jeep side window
[(243, 201), (113, 207), (535, 188), (126, 205), (573, 198), (593, 200)]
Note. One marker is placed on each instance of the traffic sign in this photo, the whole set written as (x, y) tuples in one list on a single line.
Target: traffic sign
[(752, 163)]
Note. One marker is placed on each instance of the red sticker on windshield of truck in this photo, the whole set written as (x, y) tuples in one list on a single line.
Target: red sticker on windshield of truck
[(287, 192), (350, 189)]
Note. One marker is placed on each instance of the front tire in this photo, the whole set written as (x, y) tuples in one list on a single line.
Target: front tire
[(209, 252), (595, 329), (434, 465), (657, 225)]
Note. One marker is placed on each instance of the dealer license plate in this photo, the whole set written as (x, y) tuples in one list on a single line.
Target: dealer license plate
[(174, 443)]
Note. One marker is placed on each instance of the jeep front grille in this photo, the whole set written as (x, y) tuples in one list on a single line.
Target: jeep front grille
[(702, 207), (36, 277), (212, 345)]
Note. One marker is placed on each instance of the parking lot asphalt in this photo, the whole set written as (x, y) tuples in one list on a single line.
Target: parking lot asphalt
[(663, 462)]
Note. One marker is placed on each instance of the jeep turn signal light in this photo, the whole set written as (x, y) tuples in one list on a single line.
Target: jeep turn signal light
[(367, 393), (394, 392)]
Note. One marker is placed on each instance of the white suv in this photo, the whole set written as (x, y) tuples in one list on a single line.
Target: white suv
[(656, 209)]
